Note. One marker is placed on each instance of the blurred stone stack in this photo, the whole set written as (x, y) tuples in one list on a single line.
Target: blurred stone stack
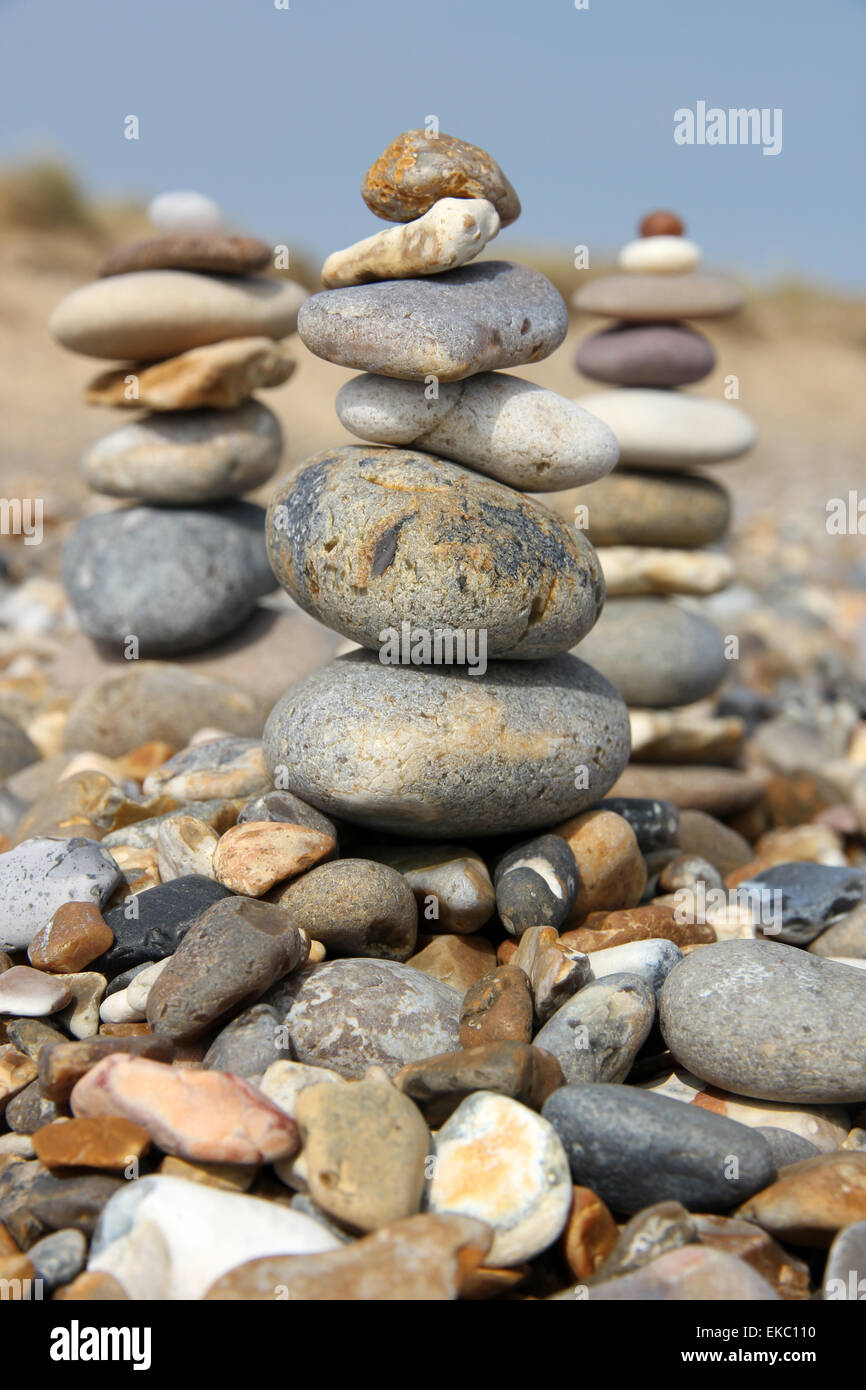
[(659, 524), (422, 546), (197, 326)]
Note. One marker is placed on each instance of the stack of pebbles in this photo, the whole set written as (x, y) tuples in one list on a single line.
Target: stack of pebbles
[(655, 517), (196, 325), (422, 546)]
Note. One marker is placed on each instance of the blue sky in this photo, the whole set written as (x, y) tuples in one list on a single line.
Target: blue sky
[(277, 112)]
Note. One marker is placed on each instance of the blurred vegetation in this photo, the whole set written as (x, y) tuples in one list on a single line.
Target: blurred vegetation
[(44, 197)]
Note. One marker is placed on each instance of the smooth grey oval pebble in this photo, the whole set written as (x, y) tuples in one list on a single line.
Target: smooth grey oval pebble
[(597, 1034), (656, 653), (804, 898)]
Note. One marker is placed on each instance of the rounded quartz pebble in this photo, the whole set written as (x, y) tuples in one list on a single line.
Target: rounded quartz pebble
[(40, 875), (671, 430), (31, 993), (450, 326), (662, 223), (634, 1148), (451, 884), (536, 884), (596, 1035), (610, 868), (512, 430), (214, 253), (152, 573), (75, 936), (187, 456), (352, 1014), (454, 552), (418, 169), (660, 255), (656, 653), (184, 212), (676, 510), (454, 231), (151, 314), (500, 1162), (646, 354), (472, 758), (659, 298), (763, 1020), (354, 907)]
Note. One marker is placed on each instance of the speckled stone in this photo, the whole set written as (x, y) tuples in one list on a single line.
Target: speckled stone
[(452, 232), (41, 874), (806, 898), (497, 1008), (155, 924), (450, 326), (671, 430), (556, 972), (663, 298), (221, 375), (634, 1148), (658, 354), (654, 509), (257, 856), (149, 573), (417, 169), (451, 884), (654, 822), (367, 539), (354, 907), (656, 653), (188, 456), (768, 1022), (216, 254), (150, 314), (652, 961), (479, 754), (512, 430), (352, 1014), (536, 884), (250, 1044), (596, 1035)]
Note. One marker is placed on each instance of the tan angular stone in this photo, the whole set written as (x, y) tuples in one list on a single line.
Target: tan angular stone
[(231, 1177), (17, 1278), (812, 1200), (590, 1233), (106, 1142), (75, 936), (648, 922), (459, 961), (253, 857), (556, 971), (632, 569), (139, 762), (512, 1069), (220, 375), (17, 1070), (497, 1008), (185, 845), (683, 735)]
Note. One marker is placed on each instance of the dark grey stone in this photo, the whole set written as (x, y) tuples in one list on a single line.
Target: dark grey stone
[(654, 822), (536, 884), (806, 898), (152, 924)]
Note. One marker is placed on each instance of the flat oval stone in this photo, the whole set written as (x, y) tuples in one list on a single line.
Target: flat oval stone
[(768, 1021), (150, 573), (454, 231), (223, 375), (596, 1035), (660, 255), (30, 993), (151, 314), (656, 653), (359, 536), (670, 430), (353, 1014), (214, 253), (512, 430), (654, 354), (644, 298), (186, 456), (634, 1148), (40, 875), (476, 319), (418, 169), (479, 755), (653, 509), (721, 791), (806, 898)]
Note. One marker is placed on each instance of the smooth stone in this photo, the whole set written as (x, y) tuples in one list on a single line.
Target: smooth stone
[(75, 936), (417, 169), (229, 957), (185, 845), (726, 1014), (668, 510), (660, 255), (29, 1110), (596, 1035), (806, 898), (284, 1081), (250, 1044), (81, 1015), (365, 1150), (63, 1064), (215, 253), (452, 232), (423, 1258), (58, 1258), (479, 754), (555, 971), (670, 430), (57, 1201), (452, 887), (196, 1114), (153, 701), (185, 213), (353, 1014), (611, 871), (498, 1161), (152, 314), (458, 961), (536, 884), (149, 573), (17, 1071), (662, 223), (665, 298), (653, 821), (651, 1233), (720, 791), (255, 857), (17, 750), (788, 1276), (651, 921), (145, 977), (845, 1271), (281, 806), (847, 937), (692, 1273), (450, 326), (108, 1142), (590, 1235), (786, 1146), (724, 847), (157, 921), (440, 1083), (166, 1238), (354, 907), (810, 1202), (634, 570), (40, 875), (221, 375), (819, 844), (634, 1149), (497, 1008), (512, 430), (656, 653), (226, 766), (454, 551), (117, 1009)]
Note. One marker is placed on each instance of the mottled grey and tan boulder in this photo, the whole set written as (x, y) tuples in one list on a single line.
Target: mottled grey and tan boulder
[(525, 745), (354, 907), (369, 539)]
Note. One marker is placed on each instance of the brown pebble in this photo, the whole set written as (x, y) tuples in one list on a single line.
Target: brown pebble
[(231, 1177), (662, 224), (139, 762), (92, 1286), (440, 1083), (497, 1008), (213, 253), (786, 1274), (646, 923), (76, 935), (811, 1201), (125, 1030), (590, 1233), (8, 1246), (107, 1141), (506, 951), (16, 1278), (63, 1064), (611, 869), (458, 961)]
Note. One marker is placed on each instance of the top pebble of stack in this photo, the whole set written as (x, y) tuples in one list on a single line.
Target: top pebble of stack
[(417, 169)]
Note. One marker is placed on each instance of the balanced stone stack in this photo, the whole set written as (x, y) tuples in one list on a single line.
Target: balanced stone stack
[(422, 546), (198, 328), (654, 517)]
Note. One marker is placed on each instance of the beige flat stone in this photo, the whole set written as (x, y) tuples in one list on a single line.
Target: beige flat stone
[(681, 736), (220, 375), (251, 858), (451, 233), (630, 570)]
